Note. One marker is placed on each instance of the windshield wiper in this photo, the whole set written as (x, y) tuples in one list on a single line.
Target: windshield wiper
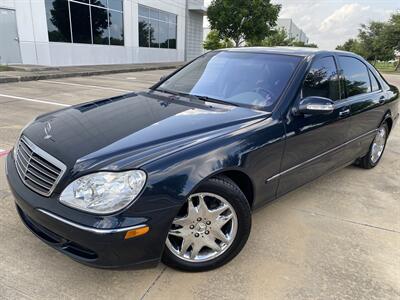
[(199, 97), (167, 91), (210, 99)]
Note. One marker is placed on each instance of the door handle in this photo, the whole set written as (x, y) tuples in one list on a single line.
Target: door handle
[(344, 112)]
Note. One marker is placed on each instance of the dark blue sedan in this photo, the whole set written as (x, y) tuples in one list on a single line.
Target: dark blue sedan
[(173, 173)]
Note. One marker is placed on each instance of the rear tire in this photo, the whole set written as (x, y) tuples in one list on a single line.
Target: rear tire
[(194, 242), (378, 145)]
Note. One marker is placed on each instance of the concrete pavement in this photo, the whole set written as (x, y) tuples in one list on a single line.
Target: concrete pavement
[(336, 238)]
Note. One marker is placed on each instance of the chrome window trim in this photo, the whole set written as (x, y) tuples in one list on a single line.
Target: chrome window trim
[(318, 156), (87, 228), (40, 152)]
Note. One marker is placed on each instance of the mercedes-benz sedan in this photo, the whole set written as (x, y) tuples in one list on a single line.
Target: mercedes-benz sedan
[(174, 172)]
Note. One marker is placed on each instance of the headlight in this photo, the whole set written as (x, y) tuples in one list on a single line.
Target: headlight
[(104, 192)]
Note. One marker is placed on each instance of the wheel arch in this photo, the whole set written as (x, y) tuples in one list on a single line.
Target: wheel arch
[(387, 118), (239, 177)]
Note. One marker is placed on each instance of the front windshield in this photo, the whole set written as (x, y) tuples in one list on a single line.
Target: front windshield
[(241, 78)]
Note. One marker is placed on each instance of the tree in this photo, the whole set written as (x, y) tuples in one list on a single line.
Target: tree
[(276, 38), (391, 35), (302, 44), (213, 41), (240, 20), (376, 40)]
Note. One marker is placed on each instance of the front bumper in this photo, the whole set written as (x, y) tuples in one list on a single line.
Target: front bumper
[(90, 242)]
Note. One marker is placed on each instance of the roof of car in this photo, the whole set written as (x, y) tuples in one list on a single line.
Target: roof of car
[(300, 51)]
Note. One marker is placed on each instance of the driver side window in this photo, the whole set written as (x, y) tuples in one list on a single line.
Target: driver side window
[(322, 80)]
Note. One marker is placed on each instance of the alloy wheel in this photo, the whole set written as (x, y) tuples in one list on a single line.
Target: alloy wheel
[(378, 145), (205, 228)]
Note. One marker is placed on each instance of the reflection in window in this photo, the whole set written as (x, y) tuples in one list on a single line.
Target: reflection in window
[(157, 29), (80, 23), (355, 76), (322, 80), (116, 28), (57, 13), (99, 25), (144, 31), (374, 82), (94, 21)]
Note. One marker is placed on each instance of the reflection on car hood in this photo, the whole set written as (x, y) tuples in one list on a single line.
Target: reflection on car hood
[(135, 127)]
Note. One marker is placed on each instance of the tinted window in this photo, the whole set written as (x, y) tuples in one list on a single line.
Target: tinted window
[(58, 21), (94, 21), (99, 25), (374, 82), (115, 4), (322, 79), (144, 32), (249, 79), (157, 28), (355, 75), (116, 28), (80, 18)]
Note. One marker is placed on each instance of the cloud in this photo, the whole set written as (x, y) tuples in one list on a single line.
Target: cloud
[(348, 14), (330, 23)]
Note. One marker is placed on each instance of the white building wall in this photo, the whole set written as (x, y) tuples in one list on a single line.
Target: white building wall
[(36, 48)]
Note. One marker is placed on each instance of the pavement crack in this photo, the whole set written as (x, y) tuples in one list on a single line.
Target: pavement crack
[(345, 220), (153, 283)]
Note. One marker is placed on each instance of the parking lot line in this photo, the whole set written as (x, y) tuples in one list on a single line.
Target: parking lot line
[(34, 100), (85, 85), (3, 152)]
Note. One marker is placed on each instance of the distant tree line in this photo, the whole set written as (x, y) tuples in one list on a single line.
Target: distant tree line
[(377, 41), (236, 23)]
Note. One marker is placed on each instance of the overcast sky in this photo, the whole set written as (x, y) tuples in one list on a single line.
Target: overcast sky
[(331, 22)]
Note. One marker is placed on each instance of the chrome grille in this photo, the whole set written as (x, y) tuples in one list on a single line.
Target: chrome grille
[(38, 170)]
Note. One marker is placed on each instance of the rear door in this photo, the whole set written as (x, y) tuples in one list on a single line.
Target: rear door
[(313, 142), (365, 96)]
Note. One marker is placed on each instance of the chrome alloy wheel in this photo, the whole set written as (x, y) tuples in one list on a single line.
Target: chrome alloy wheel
[(206, 229), (378, 145)]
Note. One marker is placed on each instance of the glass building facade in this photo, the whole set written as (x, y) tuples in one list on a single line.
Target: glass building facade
[(157, 28), (85, 21)]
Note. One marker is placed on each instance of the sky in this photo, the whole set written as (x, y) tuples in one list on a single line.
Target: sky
[(329, 23)]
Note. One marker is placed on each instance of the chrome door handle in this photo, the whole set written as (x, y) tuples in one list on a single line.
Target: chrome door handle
[(344, 112)]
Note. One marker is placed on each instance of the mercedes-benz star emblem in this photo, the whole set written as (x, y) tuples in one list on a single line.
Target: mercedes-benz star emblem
[(47, 130)]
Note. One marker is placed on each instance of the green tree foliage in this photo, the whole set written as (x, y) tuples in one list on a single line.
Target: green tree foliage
[(376, 40), (213, 41), (279, 38), (240, 20)]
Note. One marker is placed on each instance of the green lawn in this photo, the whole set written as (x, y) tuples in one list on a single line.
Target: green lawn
[(4, 68), (385, 67)]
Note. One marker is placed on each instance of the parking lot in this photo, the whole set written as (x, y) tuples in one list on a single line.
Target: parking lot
[(336, 238)]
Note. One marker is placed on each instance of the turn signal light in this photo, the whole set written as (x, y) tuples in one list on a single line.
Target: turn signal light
[(136, 232)]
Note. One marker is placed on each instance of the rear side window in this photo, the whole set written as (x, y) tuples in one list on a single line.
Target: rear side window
[(322, 79), (374, 82), (356, 78)]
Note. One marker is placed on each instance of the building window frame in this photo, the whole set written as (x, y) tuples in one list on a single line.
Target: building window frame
[(172, 25), (90, 6)]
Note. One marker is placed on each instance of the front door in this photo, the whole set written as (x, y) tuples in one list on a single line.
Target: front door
[(314, 142), (9, 42)]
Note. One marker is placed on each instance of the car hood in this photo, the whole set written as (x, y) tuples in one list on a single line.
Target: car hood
[(133, 128)]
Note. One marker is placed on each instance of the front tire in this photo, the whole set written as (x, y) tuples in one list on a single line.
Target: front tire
[(210, 229), (374, 155)]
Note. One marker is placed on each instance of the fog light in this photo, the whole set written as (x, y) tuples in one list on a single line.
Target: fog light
[(136, 232)]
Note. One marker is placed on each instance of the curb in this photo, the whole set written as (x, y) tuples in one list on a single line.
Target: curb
[(11, 78)]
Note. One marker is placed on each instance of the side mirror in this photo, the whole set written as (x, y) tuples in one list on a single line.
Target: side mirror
[(162, 78), (315, 105)]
